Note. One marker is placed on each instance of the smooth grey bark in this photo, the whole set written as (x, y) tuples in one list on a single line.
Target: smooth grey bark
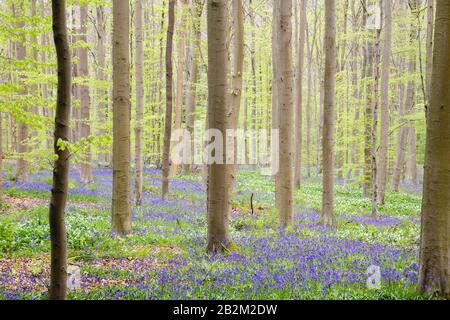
[(218, 185), (434, 273), (121, 200), (329, 116)]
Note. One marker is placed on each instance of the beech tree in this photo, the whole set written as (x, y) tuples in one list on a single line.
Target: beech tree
[(85, 127), (218, 186), (299, 95), (58, 236), (385, 73), (285, 81), (169, 103), (139, 102), (327, 217), (21, 52), (434, 273), (121, 200)]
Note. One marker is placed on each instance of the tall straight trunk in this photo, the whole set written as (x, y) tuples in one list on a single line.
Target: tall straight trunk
[(254, 137), (85, 127), (34, 88), (237, 74), (75, 72), (181, 66), (375, 126), (411, 160), (368, 66), (58, 236), (401, 142), (329, 105), (139, 101), (299, 96), (21, 52), (102, 108), (285, 86), (219, 194), (275, 75), (434, 273), (160, 87), (191, 99), (384, 138), (169, 102), (121, 202)]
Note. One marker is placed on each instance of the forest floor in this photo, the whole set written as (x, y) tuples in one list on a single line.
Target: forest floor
[(165, 258)]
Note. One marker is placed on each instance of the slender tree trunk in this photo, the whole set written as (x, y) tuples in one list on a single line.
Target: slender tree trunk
[(237, 74), (121, 202), (285, 86), (299, 96), (401, 142), (368, 123), (253, 138), (85, 127), (384, 140), (22, 164), (139, 102), (375, 126), (102, 107), (411, 160), (275, 75), (160, 86), (58, 237), (181, 66), (35, 87), (434, 273), (329, 116), (169, 101), (75, 57), (218, 203), (191, 99), (44, 87)]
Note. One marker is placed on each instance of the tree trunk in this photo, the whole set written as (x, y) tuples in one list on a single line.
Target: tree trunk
[(237, 74), (102, 108), (411, 161), (253, 137), (401, 142), (384, 139), (328, 218), (218, 203), (121, 202), (275, 75), (375, 126), (434, 273), (181, 66), (169, 101), (285, 79), (139, 102), (368, 67), (299, 96), (58, 236), (191, 99), (22, 164), (85, 127)]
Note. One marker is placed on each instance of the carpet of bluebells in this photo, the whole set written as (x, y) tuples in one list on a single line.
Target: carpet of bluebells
[(165, 258)]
